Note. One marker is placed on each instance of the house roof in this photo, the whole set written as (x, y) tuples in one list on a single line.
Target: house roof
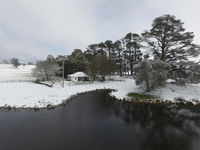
[(78, 74)]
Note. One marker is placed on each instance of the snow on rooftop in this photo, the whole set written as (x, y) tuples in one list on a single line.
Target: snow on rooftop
[(78, 74)]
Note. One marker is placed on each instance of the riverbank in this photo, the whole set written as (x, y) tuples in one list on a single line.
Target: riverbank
[(32, 95), (29, 95)]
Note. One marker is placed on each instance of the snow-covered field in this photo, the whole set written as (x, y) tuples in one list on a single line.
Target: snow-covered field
[(28, 94), (17, 90), (8, 73)]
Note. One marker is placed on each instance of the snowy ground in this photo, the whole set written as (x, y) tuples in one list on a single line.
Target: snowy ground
[(25, 94), (8, 73), (189, 92), (28, 94)]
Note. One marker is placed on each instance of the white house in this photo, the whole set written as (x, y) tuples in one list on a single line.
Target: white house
[(79, 76)]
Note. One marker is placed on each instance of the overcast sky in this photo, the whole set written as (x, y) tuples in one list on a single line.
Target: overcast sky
[(32, 29)]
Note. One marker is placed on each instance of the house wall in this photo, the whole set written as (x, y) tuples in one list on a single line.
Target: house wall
[(76, 79), (83, 78)]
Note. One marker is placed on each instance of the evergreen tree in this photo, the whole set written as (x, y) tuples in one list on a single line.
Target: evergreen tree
[(133, 53), (50, 58), (109, 46), (99, 65), (91, 51), (194, 71), (186, 72), (101, 48), (119, 56), (77, 60), (64, 60), (169, 41)]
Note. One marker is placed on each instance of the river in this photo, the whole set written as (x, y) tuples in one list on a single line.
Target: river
[(95, 121)]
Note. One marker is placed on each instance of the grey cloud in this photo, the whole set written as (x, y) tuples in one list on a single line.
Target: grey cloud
[(35, 28)]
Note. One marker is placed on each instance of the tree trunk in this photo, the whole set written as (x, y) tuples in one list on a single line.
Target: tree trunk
[(103, 77), (147, 86), (47, 76), (163, 54), (120, 69), (131, 68)]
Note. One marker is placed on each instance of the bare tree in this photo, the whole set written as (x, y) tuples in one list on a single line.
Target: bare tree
[(15, 62), (45, 70)]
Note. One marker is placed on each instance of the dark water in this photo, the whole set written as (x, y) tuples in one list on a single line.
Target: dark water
[(95, 121)]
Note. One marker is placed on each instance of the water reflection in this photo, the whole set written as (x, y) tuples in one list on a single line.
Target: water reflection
[(96, 121), (163, 127)]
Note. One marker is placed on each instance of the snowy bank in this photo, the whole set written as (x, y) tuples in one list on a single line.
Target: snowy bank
[(30, 95), (189, 92)]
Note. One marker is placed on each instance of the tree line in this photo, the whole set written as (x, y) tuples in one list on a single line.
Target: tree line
[(160, 53), (15, 62)]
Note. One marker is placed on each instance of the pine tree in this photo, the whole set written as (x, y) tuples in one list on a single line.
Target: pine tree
[(133, 53), (186, 72), (169, 41), (77, 60), (101, 48), (109, 46), (99, 65), (91, 51), (194, 71), (119, 56), (64, 60)]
